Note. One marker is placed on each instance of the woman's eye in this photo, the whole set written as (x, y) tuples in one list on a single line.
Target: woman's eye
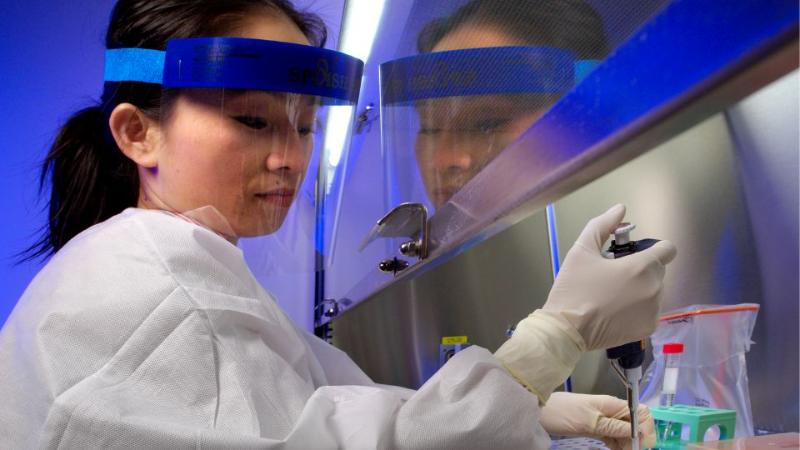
[(305, 131), (429, 131), (489, 126), (256, 123)]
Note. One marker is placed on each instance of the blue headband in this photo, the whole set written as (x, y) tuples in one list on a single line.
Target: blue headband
[(239, 63), (477, 71)]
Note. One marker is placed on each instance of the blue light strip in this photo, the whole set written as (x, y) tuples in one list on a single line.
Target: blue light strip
[(555, 260), (552, 234)]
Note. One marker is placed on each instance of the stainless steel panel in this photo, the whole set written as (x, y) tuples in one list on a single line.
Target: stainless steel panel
[(733, 247), (395, 336), (765, 130)]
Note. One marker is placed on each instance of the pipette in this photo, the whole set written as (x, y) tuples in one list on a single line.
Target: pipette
[(627, 359)]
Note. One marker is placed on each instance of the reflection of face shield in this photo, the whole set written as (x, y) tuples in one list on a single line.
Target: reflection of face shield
[(459, 109), (240, 125)]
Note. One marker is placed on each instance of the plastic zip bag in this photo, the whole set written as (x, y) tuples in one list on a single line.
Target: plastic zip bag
[(712, 369)]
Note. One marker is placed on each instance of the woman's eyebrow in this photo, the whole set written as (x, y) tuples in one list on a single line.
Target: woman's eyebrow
[(252, 96)]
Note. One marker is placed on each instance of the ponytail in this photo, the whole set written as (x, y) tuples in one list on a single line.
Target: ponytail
[(91, 180)]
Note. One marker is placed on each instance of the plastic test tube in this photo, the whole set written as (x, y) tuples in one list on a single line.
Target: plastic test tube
[(672, 355)]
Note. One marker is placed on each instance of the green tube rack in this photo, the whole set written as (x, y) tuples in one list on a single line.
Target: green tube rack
[(697, 418)]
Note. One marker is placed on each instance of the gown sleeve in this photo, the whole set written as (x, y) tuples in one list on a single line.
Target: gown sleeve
[(471, 402), (206, 378)]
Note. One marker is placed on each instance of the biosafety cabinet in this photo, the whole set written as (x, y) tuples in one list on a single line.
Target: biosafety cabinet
[(687, 114)]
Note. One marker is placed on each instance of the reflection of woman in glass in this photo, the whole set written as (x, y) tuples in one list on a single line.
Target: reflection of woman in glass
[(460, 135)]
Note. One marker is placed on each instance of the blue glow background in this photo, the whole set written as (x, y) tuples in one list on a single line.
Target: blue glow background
[(52, 65)]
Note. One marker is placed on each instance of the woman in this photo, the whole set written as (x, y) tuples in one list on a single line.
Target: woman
[(147, 329)]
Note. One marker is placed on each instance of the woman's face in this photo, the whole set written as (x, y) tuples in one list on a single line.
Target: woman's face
[(459, 136), (243, 153)]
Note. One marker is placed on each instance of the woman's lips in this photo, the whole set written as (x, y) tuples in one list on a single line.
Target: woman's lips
[(281, 197)]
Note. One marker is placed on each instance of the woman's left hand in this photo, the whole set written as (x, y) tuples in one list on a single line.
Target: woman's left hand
[(597, 416)]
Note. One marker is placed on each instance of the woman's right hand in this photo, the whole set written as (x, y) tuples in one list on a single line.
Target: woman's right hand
[(609, 301), (595, 303)]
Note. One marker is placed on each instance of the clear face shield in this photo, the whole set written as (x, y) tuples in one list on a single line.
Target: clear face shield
[(446, 115), (241, 141), (240, 158)]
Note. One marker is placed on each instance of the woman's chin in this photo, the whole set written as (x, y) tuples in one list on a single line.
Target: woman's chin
[(260, 228)]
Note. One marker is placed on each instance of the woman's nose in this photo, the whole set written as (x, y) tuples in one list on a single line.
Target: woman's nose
[(452, 154), (289, 154)]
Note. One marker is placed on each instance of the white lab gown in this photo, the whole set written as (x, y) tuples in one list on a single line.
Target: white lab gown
[(148, 331)]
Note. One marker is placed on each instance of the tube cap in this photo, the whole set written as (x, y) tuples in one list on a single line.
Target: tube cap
[(673, 348)]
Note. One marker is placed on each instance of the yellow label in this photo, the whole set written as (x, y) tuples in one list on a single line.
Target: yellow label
[(450, 340)]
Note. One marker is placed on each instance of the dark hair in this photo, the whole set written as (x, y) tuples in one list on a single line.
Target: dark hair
[(569, 24), (91, 179)]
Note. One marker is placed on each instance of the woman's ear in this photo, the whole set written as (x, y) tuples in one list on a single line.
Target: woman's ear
[(137, 135)]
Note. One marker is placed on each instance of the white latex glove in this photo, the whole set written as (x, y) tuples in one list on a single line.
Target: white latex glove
[(610, 302), (542, 353), (594, 303), (601, 417)]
